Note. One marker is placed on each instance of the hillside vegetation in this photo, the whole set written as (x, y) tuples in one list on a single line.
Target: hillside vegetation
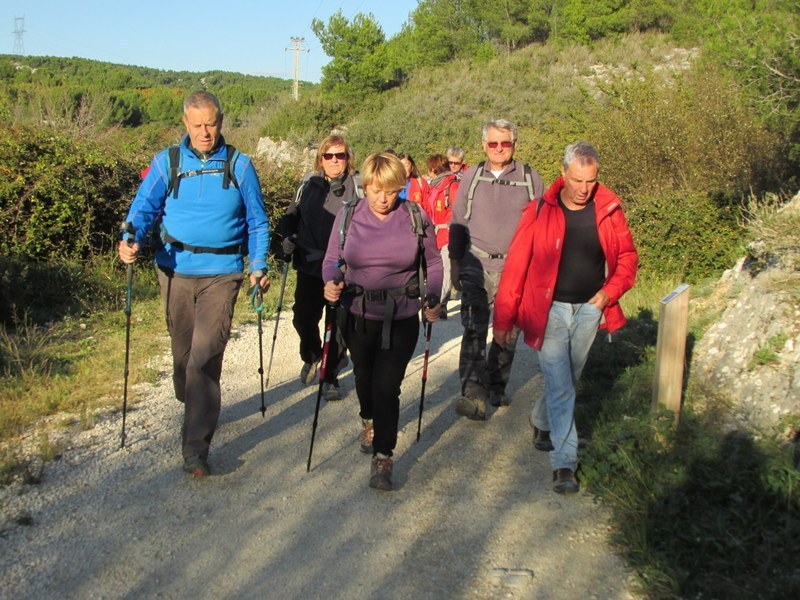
[(692, 105)]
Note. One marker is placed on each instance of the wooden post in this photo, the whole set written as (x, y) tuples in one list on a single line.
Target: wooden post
[(673, 322)]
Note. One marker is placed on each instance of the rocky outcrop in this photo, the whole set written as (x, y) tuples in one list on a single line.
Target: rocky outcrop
[(282, 153), (752, 353)]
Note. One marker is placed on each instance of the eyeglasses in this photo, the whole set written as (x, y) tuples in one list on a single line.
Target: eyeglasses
[(504, 144), (330, 155), (457, 163)]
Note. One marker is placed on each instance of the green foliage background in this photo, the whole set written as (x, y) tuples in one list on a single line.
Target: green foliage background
[(693, 105)]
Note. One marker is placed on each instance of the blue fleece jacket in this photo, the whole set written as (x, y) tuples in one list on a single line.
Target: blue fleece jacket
[(204, 214)]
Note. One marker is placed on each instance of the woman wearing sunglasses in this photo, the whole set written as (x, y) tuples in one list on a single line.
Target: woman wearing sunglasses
[(306, 227)]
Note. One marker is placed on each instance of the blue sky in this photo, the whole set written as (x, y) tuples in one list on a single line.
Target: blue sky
[(247, 36)]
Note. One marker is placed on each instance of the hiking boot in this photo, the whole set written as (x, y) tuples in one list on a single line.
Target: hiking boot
[(380, 477), (366, 436), (309, 372), (497, 398), (541, 440), (196, 466), (564, 482), (330, 390), (472, 408)]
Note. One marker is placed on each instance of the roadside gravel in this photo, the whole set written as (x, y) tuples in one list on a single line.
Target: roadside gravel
[(472, 514)]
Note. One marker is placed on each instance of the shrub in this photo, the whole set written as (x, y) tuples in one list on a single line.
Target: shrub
[(697, 132), (683, 234), (59, 197)]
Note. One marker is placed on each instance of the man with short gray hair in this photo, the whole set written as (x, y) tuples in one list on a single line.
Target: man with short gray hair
[(490, 201), (572, 259), (202, 200)]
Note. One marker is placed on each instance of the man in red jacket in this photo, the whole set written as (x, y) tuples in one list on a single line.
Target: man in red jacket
[(570, 261)]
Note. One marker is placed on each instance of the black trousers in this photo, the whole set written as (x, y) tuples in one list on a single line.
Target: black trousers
[(309, 304), (379, 373)]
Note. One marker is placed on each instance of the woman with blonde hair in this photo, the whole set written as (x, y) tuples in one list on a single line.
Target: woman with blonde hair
[(372, 267)]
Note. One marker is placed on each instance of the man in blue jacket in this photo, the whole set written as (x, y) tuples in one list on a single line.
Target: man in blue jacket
[(203, 201)]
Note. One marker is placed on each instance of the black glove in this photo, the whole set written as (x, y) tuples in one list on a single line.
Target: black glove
[(288, 245), (455, 274)]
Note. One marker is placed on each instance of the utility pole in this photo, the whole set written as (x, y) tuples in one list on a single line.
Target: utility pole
[(19, 29), (297, 41)]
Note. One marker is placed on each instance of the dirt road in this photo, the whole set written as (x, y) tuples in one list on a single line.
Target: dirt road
[(473, 515)]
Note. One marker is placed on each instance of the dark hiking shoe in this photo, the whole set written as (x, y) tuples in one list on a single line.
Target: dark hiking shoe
[(308, 372), (497, 398), (196, 466), (541, 440), (564, 482), (472, 408), (330, 391), (366, 436), (380, 477)]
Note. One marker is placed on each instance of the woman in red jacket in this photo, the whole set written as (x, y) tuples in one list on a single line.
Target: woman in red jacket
[(571, 260), (416, 187), (439, 206)]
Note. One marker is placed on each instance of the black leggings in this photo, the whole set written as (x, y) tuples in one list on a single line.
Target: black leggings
[(379, 373)]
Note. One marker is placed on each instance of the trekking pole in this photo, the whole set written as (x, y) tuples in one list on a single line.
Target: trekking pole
[(257, 300), (129, 230), (430, 300), (284, 274), (330, 321)]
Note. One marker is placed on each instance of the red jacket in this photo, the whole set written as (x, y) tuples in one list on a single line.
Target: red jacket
[(418, 191), (526, 288), (439, 206)]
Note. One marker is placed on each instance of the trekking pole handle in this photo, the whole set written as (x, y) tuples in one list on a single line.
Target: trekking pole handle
[(336, 281), (257, 295), (430, 301), (130, 232)]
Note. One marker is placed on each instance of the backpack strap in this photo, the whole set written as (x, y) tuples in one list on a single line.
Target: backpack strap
[(175, 175), (418, 227), (344, 224), (358, 186), (174, 165), (477, 178), (231, 154)]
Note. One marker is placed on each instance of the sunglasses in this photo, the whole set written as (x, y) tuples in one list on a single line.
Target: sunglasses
[(503, 144), (455, 162), (330, 155)]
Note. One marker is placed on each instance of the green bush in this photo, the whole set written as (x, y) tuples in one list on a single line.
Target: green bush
[(305, 121), (683, 234), (59, 197), (697, 132)]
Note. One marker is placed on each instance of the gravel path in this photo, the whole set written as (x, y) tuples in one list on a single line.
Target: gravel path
[(472, 515)]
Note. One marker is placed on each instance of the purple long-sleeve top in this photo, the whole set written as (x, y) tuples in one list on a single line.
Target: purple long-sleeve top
[(382, 255)]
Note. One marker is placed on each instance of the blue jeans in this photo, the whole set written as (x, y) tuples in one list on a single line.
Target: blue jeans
[(570, 332)]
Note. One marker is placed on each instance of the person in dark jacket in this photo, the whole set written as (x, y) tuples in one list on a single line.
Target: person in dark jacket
[(306, 227), (208, 218), (379, 257)]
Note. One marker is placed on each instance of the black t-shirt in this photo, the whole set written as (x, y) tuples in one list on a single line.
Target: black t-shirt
[(581, 272)]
